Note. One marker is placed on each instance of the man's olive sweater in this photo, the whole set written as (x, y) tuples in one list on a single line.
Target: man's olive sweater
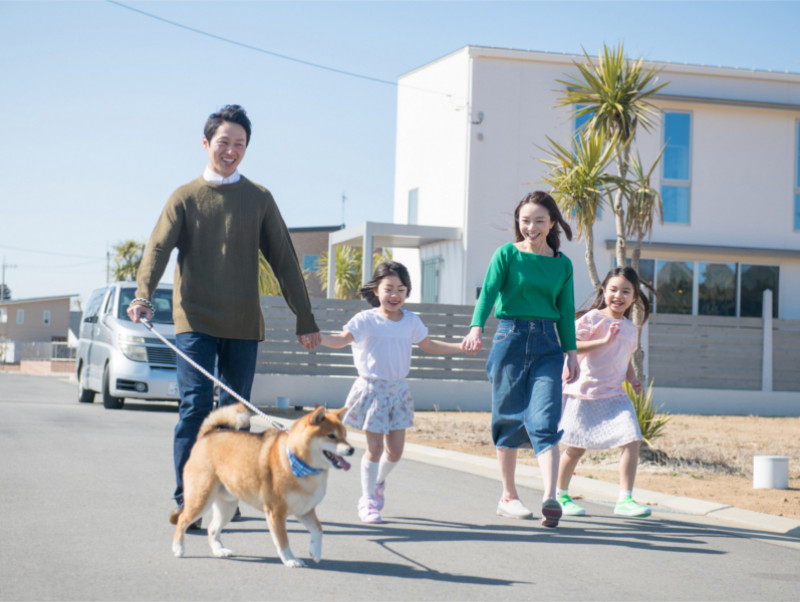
[(218, 230)]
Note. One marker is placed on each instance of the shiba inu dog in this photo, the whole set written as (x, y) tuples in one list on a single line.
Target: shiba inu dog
[(282, 473)]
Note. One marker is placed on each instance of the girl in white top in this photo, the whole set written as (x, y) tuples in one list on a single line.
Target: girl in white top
[(597, 412), (379, 401)]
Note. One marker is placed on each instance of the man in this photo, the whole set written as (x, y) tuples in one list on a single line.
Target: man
[(218, 223)]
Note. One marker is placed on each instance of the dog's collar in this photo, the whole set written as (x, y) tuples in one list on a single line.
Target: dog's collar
[(300, 468)]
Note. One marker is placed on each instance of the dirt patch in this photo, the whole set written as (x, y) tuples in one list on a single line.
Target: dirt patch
[(703, 457)]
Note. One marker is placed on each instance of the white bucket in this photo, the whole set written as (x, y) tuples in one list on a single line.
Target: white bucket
[(282, 403), (770, 472)]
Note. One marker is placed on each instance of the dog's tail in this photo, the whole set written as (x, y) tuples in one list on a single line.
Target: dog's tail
[(234, 417)]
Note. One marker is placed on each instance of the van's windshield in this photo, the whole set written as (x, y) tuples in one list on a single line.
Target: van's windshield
[(162, 301)]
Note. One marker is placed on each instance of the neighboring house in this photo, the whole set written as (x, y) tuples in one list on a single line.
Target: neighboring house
[(309, 244), (469, 130), (40, 320)]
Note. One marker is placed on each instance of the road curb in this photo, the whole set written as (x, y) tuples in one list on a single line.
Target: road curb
[(592, 490)]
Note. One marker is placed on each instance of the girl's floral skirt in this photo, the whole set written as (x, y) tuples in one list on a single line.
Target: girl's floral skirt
[(379, 406)]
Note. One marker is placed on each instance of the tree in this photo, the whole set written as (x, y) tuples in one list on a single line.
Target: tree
[(580, 184), (347, 272), (127, 257), (613, 93), (644, 205), (5, 292)]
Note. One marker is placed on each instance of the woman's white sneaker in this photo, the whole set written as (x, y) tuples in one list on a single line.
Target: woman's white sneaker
[(513, 509)]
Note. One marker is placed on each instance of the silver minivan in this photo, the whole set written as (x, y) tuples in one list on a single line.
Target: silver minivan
[(120, 359)]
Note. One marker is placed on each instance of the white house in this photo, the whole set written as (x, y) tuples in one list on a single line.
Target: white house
[(469, 130)]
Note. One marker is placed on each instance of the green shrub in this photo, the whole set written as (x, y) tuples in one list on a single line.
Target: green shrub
[(651, 422)]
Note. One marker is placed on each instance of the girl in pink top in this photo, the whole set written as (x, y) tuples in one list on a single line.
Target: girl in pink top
[(597, 412)]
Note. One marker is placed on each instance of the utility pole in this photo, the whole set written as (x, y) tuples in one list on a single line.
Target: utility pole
[(344, 198), (3, 283)]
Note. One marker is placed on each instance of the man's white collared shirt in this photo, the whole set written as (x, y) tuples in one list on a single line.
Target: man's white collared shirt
[(215, 178)]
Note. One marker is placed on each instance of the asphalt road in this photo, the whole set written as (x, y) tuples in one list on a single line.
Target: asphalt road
[(86, 493)]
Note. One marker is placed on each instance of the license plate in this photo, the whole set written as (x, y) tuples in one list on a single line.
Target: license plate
[(173, 389)]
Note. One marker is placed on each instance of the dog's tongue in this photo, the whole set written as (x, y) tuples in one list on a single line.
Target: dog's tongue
[(343, 463)]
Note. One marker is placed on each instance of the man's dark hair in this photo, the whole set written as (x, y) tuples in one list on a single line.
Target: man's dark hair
[(232, 113)]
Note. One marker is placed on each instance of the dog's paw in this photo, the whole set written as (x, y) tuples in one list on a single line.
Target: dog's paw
[(294, 563), (221, 551), (177, 549), (315, 551)]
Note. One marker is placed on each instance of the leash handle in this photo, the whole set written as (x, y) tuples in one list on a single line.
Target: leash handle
[(203, 371)]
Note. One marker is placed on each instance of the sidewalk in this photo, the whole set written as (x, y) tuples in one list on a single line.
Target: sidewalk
[(592, 490)]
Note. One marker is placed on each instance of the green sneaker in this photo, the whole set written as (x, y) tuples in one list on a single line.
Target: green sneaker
[(569, 507), (628, 507)]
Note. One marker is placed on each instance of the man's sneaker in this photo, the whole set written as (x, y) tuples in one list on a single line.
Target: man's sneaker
[(513, 509), (368, 510), (569, 507), (380, 490), (551, 513), (628, 507)]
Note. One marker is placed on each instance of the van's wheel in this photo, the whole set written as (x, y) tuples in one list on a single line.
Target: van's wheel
[(84, 395), (109, 402)]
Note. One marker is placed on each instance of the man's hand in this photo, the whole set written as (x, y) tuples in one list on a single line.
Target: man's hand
[(137, 312), (309, 341)]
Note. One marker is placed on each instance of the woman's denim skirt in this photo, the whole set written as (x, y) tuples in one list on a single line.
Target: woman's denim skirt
[(524, 368)]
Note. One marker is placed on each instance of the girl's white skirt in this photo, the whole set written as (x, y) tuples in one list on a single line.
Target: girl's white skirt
[(599, 423)]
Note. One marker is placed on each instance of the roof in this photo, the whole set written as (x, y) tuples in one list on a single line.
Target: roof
[(37, 299)]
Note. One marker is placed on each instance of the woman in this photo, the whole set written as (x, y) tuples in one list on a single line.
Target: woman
[(529, 282)]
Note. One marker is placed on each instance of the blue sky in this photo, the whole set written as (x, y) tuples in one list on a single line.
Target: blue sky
[(105, 106)]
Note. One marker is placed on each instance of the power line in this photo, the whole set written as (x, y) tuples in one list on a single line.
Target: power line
[(255, 48), (57, 253)]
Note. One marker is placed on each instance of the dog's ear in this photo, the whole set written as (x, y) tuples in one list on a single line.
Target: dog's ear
[(317, 416), (338, 413)]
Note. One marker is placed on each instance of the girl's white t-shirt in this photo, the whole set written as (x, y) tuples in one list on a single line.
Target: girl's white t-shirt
[(381, 347), (603, 370)]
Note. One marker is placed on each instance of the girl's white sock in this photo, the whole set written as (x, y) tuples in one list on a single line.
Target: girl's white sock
[(385, 468), (624, 495), (561, 492), (369, 477)]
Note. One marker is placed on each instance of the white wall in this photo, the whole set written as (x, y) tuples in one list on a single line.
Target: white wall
[(432, 118)]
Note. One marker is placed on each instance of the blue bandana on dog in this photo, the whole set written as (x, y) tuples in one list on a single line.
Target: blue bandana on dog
[(300, 468)]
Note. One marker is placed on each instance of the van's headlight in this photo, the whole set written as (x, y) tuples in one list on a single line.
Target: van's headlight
[(133, 347)]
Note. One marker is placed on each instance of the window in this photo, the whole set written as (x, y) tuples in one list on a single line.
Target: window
[(675, 174), (3, 316), (797, 181), (46, 317), (755, 280), (20, 316), (311, 263), (674, 287), (721, 289), (413, 200), (716, 291)]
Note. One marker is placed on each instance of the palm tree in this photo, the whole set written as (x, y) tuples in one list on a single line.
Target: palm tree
[(613, 92), (267, 281), (127, 257), (644, 205), (580, 184), (347, 272)]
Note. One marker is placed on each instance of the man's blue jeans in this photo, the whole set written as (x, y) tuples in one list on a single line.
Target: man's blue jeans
[(235, 360)]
